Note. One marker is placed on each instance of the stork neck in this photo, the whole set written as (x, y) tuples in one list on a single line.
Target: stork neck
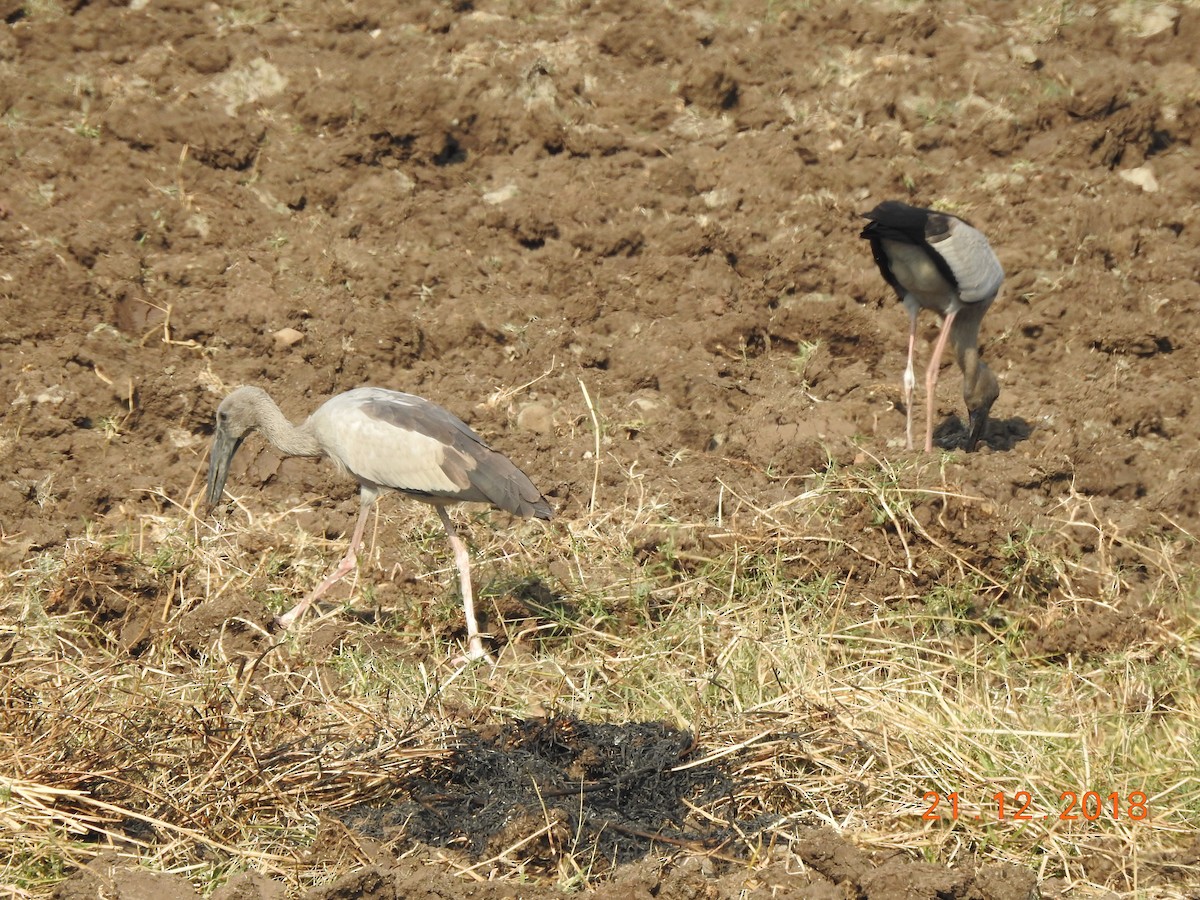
[(980, 388), (288, 439), (969, 362)]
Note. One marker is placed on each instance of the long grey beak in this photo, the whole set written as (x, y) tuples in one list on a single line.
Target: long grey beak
[(978, 425), (224, 447)]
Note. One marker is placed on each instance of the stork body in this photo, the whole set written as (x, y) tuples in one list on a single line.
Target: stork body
[(388, 441), (935, 260)]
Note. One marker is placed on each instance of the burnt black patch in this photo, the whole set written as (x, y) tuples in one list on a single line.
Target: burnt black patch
[(561, 787)]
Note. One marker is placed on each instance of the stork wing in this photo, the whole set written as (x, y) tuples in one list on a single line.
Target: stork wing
[(405, 442), (977, 271), (894, 221), (397, 456)]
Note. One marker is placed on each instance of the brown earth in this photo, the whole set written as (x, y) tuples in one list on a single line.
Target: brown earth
[(497, 205)]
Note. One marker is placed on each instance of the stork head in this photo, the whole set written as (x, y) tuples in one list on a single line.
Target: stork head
[(237, 416), (980, 394)]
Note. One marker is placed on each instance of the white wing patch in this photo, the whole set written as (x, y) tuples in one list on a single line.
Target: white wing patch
[(385, 454), (972, 261)]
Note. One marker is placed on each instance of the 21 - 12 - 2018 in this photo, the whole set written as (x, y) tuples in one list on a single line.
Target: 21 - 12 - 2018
[(1072, 806)]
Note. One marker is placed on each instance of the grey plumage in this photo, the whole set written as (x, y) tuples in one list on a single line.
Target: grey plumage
[(479, 474), (388, 441), (938, 261)]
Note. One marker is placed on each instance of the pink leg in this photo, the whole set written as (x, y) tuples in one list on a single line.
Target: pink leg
[(931, 376), (462, 560), (909, 378), (349, 561)]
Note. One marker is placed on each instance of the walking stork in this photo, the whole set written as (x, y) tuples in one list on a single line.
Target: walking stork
[(388, 441), (935, 260)]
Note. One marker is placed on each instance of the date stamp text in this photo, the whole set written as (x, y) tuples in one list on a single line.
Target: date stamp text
[(1072, 806)]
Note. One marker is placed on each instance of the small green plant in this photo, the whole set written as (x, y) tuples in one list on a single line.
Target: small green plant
[(798, 364), (110, 427)]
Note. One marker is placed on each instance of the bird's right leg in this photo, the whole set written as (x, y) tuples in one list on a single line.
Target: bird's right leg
[(910, 380), (931, 377), (349, 561), (462, 559)]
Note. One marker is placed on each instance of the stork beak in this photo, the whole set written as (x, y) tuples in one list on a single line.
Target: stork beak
[(224, 447), (978, 425)]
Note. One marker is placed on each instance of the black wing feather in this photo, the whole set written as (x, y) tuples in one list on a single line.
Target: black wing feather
[(895, 221)]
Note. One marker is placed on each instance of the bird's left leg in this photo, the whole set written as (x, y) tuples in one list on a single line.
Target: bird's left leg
[(931, 377), (462, 560), (349, 561)]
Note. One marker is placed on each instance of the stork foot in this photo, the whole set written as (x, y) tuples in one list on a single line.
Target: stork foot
[(286, 620), (475, 653)]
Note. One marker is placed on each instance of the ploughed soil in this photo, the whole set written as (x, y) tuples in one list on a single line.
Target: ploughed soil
[(531, 213)]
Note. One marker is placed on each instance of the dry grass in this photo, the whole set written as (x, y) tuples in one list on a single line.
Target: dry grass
[(842, 654)]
